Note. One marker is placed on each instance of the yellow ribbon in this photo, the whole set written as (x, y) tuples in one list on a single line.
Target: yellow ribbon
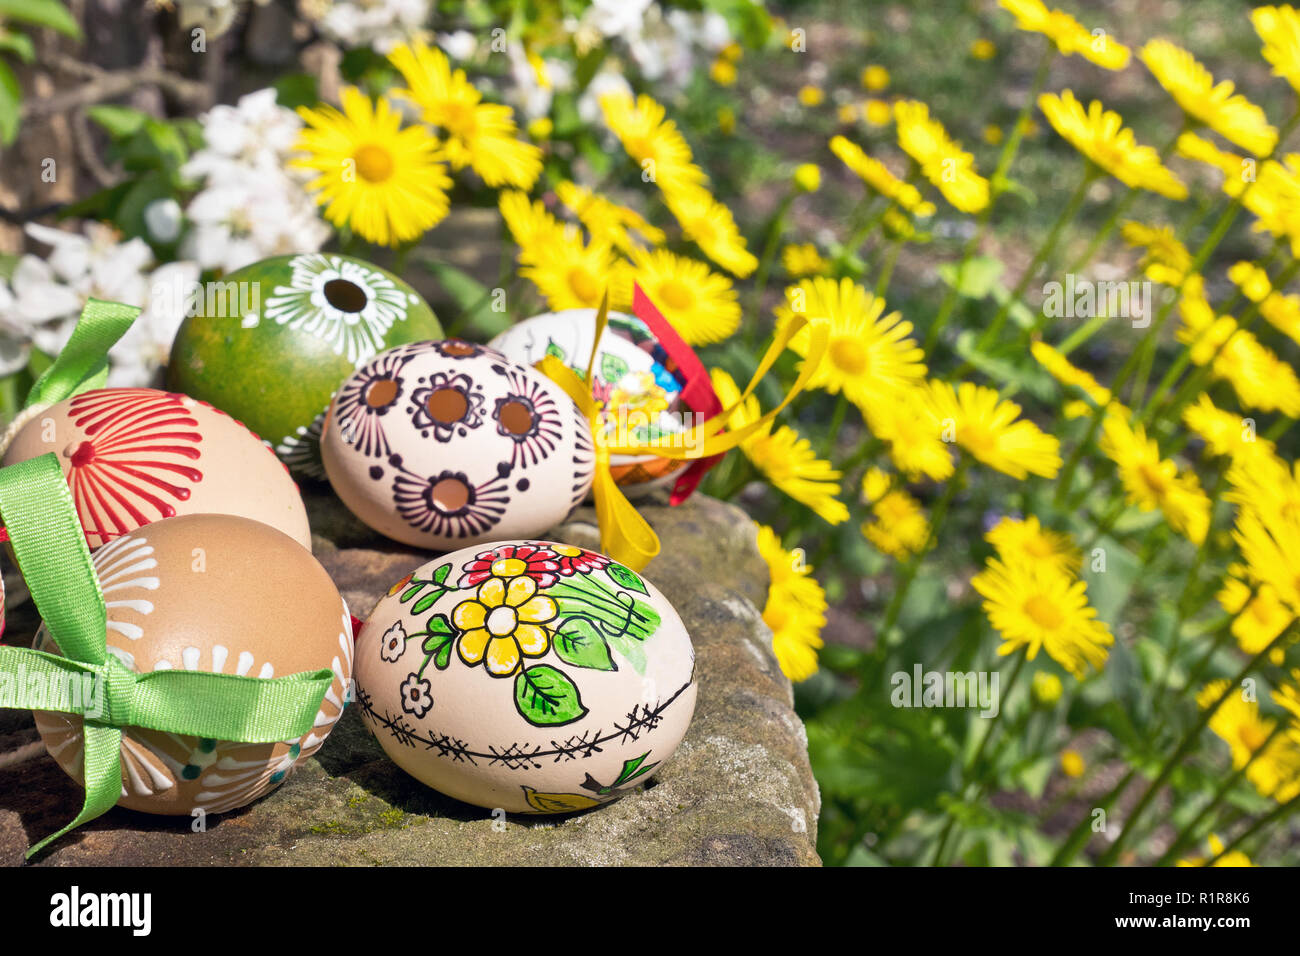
[(624, 535)]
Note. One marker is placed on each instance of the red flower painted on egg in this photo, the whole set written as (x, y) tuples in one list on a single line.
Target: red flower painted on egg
[(132, 464), (510, 561), (574, 560)]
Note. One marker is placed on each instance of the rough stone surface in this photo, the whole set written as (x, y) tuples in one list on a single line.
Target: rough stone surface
[(738, 791)]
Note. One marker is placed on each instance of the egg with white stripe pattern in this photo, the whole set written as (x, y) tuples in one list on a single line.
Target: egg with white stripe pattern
[(221, 594)]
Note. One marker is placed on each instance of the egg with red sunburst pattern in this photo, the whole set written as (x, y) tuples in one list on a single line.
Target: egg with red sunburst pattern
[(133, 456), (446, 444)]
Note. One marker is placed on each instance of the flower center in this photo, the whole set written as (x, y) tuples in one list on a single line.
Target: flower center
[(568, 550), (502, 621), (1043, 612), (849, 355), (583, 284), (676, 294), (459, 119), (374, 163), (1253, 737), (1154, 478), (509, 567)]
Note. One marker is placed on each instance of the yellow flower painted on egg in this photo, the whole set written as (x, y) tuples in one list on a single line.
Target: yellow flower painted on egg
[(502, 623)]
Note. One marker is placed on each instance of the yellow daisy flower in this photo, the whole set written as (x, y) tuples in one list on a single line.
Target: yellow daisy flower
[(877, 176), (1072, 764), (573, 274), (710, 225), (795, 609), (1274, 764), (1279, 28), (802, 260), (1271, 550), (1067, 33), (869, 356), (907, 421), (1275, 199), (942, 160), (480, 135), (1235, 168), (528, 220), (1151, 483), (983, 49), (652, 140), (1235, 858), (807, 177), (723, 72), (1192, 86), (877, 112), (1026, 540), (1101, 136), (1167, 259), (875, 78), (1225, 434), (898, 526), (1034, 606), (623, 228), (783, 457), (1251, 279), (386, 183), (1259, 619), (1046, 688), (700, 304), (1065, 372), (504, 621), (974, 417), (811, 96), (1283, 313), (1260, 378)]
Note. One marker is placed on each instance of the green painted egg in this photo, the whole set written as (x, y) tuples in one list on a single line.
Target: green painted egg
[(271, 342)]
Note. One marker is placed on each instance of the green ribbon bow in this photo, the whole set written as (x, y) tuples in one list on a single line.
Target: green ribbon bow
[(50, 545)]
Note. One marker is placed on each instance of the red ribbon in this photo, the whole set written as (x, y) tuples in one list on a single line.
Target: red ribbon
[(697, 390)]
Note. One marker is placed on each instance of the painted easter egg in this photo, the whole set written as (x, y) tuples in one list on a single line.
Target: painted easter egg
[(530, 676), (136, 455), (272, 347), (635, 382), (446, 444), (212, 593)]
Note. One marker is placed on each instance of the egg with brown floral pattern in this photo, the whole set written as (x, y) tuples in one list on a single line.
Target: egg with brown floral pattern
[(446, 444)]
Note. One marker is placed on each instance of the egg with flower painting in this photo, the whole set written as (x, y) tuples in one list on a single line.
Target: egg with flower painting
[(530, 676), (137, 455), (635, 382), (446, 444), (221, 594), (270, 343)]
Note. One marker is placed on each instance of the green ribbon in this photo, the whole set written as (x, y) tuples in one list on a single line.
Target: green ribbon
[(50, 545), (83, 363)]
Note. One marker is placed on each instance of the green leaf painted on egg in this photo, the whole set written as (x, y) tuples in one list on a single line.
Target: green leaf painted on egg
[(545, 696)]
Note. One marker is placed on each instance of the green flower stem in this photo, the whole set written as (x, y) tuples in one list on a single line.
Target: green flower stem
[(1184, 747), (1211, 242), (1277, 813), (1194, 383), (1125, 204), (744, 474), (1082, 334), (837, 422), (887, 271), (1183, 607), (1005, 159), (1077, 838), (774, 231), (969, 767), (937, 515), (1188, 834), (1090, 175)]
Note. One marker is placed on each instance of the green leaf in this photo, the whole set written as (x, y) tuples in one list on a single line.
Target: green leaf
[(44, 13), (547, 697), (633, 769), (977, 279), (473, 298), (626, 577), (19, 44), (578, 642), (119, 121), (427, 601), (1005, 371), (11, 100), (296, 89), (612, 367), (440, 573), (616, 612), (440, 640), (412, 591), (553, 349)]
